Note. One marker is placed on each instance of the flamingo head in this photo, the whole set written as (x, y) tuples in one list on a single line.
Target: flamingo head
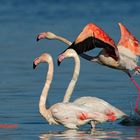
[(48, 35), (42, 58), (66, 54)]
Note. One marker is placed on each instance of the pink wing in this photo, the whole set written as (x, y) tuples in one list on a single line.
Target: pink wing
[(128, 40), (91, 37), (92, 30), (97, 116)]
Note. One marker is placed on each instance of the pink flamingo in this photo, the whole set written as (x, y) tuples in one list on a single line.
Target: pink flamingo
[(123, 57), (71, 115)]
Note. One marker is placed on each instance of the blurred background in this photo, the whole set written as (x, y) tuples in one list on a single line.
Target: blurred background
[(20, 85)]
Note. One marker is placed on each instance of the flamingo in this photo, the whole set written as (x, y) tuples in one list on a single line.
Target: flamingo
[(96, 104), (123, 57), (69, 114)]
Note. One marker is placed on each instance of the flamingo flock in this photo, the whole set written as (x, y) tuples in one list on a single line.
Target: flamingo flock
[(91, 110), (81, 111)]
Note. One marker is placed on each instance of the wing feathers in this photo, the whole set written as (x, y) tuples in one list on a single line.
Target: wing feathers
[(128, 41), (92, 36)]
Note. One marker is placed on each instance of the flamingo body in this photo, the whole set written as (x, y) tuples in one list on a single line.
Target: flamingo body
[(123, 56), (72, 116), (99, 105), (96, 104)]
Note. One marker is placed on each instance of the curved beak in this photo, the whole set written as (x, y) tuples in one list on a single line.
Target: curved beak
[(36, 62), (60, 59), (40, 36), (34, 65), (37, 38), (58, 62)]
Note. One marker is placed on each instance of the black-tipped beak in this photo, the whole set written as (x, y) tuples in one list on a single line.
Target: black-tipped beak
[(34, 65), (60, 59), (37, 39), (58, 62)]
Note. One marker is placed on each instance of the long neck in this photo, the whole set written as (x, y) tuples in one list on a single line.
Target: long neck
[(73, 81), (42, 103), (63, 40)]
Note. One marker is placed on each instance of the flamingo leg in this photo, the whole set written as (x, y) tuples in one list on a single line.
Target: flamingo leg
[(138, 98), (137, 110), (93, 125)]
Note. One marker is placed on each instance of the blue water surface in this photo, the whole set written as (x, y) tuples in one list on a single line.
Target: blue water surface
[(20, 85)]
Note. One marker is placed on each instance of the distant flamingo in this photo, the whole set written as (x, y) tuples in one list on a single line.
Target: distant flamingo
[(69, 114), (122, 57)]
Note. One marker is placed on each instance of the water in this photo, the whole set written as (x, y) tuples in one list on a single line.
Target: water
[(20, 85)]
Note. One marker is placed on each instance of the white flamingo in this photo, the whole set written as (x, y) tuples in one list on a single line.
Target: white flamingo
[(69, 114), (123, 57), (94, 103)]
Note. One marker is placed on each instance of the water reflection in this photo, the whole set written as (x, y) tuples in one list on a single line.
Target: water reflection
[(109, 133), (82, 135)]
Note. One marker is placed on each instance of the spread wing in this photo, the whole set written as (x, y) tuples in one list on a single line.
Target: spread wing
[(94, 37), (128, 41)]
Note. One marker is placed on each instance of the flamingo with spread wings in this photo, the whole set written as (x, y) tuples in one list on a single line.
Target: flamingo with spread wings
[(123, 57), (71, 115)]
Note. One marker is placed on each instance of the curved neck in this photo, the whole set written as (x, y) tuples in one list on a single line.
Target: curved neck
[(63, 40), (42, 102), (73, 81)]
